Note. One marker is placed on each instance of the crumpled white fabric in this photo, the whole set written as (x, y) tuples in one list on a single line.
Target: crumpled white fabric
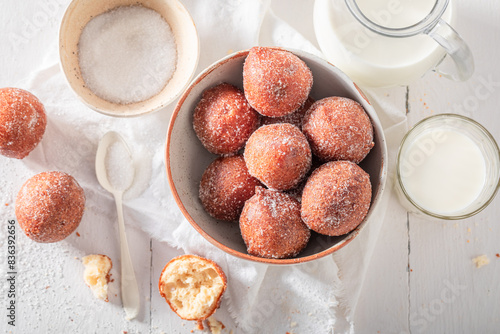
[(315, 297)]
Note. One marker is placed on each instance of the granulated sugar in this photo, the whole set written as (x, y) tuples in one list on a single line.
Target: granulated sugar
[(127, 55), (119, 166)]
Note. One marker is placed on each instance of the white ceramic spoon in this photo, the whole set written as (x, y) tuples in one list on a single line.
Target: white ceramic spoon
[(129, 288)]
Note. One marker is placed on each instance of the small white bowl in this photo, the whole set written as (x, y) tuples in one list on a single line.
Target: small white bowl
[(186, 158), (80, 12)]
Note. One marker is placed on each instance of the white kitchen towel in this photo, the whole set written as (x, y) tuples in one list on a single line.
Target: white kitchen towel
[(316, 297)]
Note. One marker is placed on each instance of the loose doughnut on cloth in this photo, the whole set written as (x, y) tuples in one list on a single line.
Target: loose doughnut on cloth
[(338, 128), (336, 198), (271, 226), (225, 186), (276, 82), (192, 286), (49, 206), (278, 155), (22, 122), (223, 120)]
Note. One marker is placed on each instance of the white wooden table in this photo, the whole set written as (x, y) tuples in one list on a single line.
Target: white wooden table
[(421, 278)]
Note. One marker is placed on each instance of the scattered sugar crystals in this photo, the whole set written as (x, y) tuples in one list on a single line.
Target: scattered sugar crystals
[(127, 55)]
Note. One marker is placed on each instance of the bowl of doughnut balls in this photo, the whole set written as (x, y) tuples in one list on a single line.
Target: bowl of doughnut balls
[(276, 156)]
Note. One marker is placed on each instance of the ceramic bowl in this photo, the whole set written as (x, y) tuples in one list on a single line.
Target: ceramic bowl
[(80, 12), (186, 158)]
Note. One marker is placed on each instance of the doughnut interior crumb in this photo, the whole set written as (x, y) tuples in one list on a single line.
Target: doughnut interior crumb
[(481, 260), (215, 325), (192, 286), (96, 274)]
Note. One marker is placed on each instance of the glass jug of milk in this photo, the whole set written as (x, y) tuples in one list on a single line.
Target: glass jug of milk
[(381, 43)]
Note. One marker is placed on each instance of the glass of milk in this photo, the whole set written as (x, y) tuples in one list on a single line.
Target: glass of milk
[(448, 167), (381, 43)]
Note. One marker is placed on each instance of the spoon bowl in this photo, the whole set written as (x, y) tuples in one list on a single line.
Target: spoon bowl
[(106, 143)]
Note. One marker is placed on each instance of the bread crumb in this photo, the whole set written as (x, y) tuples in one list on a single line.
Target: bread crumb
[(199, 325), (96, 274), (469, 230), (215, 325), (481, 260)]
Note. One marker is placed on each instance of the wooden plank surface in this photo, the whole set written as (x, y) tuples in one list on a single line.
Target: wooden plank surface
[(448, 293)]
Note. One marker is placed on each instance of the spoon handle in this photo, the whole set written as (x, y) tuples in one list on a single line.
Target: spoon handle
[(130, 290)]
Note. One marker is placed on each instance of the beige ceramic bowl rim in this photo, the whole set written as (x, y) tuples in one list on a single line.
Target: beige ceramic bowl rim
[(164, 103), (246, 256)]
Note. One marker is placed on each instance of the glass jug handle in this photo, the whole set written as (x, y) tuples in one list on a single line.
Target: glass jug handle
[(456, 48)]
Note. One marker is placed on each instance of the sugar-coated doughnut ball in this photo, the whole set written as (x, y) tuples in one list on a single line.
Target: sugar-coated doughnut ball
[(49, 206), (225, 186), (271, 225), (22, 122), (294, 118), (336, 198), (278, 155), (338, 128), (276, 82), (223, 120)]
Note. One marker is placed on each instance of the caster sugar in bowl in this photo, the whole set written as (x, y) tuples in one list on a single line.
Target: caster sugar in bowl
[(127, 54), (127, 58), (448, 167)]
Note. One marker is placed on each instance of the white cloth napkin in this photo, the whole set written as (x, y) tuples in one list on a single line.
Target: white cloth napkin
[(316, 297)]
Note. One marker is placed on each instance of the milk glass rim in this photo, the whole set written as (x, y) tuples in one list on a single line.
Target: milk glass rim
[(487, 135), (423, 26)]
